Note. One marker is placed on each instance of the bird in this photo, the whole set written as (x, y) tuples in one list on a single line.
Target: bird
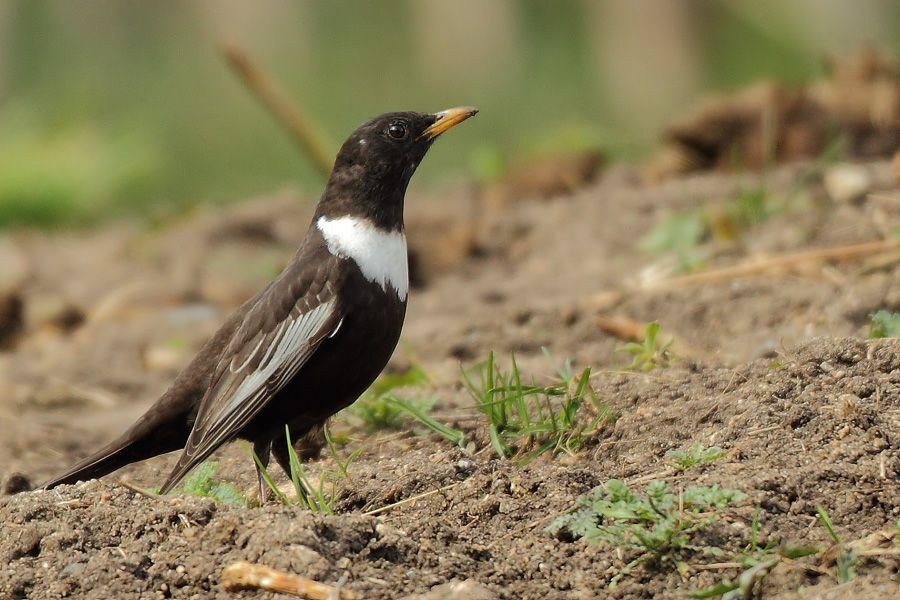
[(316, 337)]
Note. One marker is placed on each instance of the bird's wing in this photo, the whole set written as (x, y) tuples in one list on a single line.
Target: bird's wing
[(283, 329)]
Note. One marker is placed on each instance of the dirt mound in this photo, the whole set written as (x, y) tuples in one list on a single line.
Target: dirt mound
[(821, 428), (772, 369), (772, 122)]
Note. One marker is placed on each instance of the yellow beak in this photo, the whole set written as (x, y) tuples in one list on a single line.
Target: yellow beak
[(447, 119)]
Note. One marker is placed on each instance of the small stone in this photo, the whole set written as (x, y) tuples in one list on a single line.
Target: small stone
[(464, 465), (72, 570), (456, 590), (847, 182)]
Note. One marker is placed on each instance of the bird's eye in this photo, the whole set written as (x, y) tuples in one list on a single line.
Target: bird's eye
[(397, 131)]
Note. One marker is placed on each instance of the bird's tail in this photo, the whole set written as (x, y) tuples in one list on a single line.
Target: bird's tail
[(153, 434)]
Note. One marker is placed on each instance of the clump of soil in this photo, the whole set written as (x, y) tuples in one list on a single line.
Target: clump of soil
[(774, 122)]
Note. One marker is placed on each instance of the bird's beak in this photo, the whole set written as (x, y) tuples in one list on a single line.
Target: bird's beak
[(447, 119)]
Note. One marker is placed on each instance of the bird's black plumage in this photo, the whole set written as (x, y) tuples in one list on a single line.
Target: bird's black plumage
[(317, 336)]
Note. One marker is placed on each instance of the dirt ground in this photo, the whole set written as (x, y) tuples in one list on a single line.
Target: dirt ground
[(775, 368)]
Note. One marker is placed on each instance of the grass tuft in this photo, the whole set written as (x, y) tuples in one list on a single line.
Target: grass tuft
[(376, 408), (201, 482), (321, 497), (526, 420), (650, 353)]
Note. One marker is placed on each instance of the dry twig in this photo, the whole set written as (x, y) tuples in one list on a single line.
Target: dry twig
[(624, 328), (754, 266), (407, 500), (243, 575), (287, 113)]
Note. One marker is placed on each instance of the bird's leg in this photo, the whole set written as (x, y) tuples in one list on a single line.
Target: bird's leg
[(263, 450), (280, 450)]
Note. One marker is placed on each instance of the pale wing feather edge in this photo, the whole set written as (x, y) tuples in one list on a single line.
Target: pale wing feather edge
[(294, 342)]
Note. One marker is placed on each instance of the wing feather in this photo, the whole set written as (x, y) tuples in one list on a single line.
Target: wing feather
[(241, 395), (268, 350)]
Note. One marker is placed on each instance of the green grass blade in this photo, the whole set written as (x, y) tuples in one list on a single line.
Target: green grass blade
[(499, 445), (827, 524), (449, 433), (294, 462), (268, 479)]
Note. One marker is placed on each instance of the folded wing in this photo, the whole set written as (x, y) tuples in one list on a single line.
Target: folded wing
[(268, 350)]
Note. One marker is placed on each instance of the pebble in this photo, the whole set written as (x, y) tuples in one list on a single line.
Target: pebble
[(847, 182)]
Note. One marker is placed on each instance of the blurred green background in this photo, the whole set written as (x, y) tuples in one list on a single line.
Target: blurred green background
[(114, 107)]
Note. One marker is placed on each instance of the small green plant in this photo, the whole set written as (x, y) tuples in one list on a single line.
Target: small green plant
[(526, 419), (202, 483), (659, 526), (380, 408), (650, 353), (681, 235), (884, 324), (847, 560), (687, 234), (695, 455), (419, 412), (777, 363), (758, 562), (319, 498), (377, 410)]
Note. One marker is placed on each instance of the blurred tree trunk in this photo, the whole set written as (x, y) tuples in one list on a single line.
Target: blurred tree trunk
[(5, 20), (647, 59), (466, 42), (826, 26)]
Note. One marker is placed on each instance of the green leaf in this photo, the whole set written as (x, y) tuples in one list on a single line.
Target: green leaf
[(884, 324)]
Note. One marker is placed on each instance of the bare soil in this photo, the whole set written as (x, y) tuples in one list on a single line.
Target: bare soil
[(774, 368)]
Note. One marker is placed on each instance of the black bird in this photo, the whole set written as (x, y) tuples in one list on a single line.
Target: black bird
[(317, 336)]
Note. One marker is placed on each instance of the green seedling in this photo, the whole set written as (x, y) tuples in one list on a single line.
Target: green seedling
[(343, 465), (681, 235), (759, 562), (847, 561), (526, 420), (202, 483), (658, 527), (420, 414), (317, 498), (650, 353), (687, 234), (884, 324), (695, 455), (777, 363), (377, 410)]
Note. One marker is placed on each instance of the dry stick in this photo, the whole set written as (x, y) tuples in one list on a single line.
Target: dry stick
[(300, 126), (624, 328), (755, 267), (244, 575), (141, 491), (407, 500)]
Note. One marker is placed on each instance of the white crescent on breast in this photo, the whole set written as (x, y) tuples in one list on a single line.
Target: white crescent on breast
[(379, 254)]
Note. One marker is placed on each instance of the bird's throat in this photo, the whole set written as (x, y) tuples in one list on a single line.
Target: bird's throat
[(379, 253)]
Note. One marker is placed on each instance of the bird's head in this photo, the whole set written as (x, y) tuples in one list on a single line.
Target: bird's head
[(374, 166)]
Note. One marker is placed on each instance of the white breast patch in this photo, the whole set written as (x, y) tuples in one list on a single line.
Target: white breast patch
[(379, 254)]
